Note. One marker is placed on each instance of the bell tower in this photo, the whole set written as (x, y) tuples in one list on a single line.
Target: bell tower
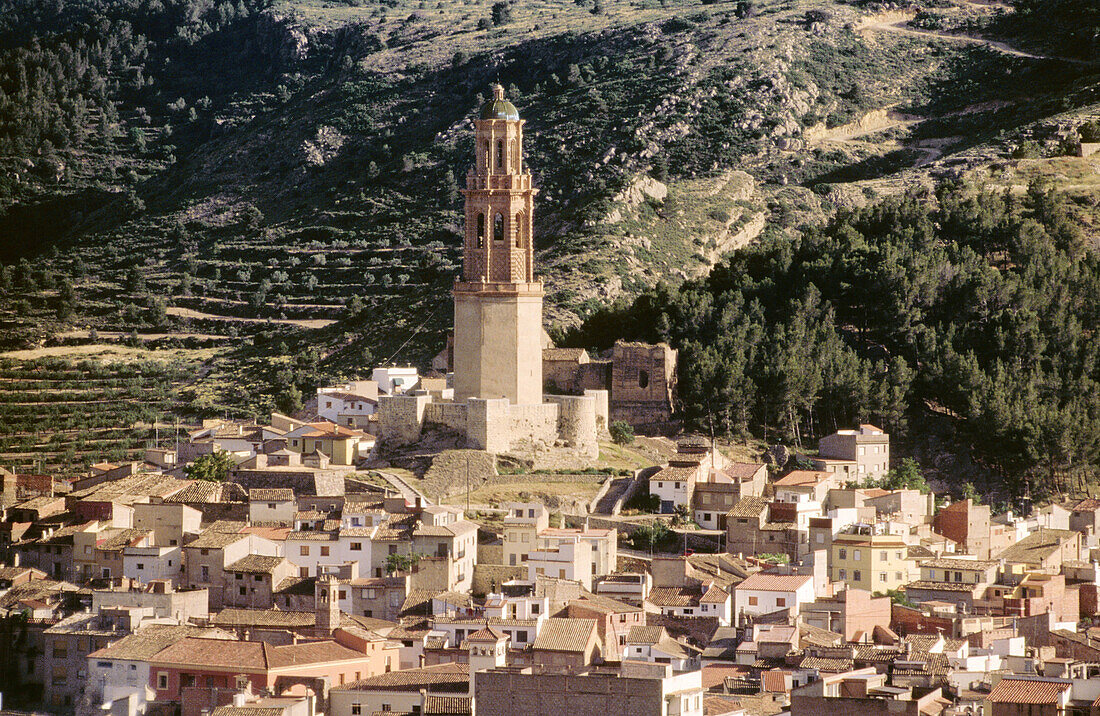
[(498, 300)]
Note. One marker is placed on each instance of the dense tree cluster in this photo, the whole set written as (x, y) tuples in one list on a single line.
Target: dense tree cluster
[(973, 304), (1069, 27), (66, 65)]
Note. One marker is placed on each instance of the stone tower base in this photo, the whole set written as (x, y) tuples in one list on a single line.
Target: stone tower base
[(498, 426)]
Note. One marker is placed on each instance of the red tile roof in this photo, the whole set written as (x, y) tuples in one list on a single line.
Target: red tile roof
[(774, 681), (765, 582), (803, 477), (1028, 691)]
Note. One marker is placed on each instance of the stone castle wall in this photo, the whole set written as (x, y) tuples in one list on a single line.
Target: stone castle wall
[(449, 415), (497, 426)]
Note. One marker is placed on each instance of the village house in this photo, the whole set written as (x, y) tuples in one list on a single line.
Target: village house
[(855, 455), (764, 593)]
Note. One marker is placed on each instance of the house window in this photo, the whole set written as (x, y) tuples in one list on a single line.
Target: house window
[(258, 578), (843, 574), (752, 601), (498, 227), (356, 546), (242, 591), (304, 551), (706, 517), (356, 709), (141, 565), (857, 575), (162, 680), (885, 555), (843, 553), (857, 556), (205, 573), (324, 551), (882, 577)]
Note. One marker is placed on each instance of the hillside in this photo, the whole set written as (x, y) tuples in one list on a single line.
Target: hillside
[(275, 185)]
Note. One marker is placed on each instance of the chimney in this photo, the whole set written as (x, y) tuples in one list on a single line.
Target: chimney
[(239, 700), (15, 559)]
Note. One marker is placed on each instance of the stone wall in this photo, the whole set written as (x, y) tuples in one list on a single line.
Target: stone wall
[(449, 415), (304, 481), (401, 417), (603, 408), (447, 474), (488, 577), (643, 382), (576, 424)]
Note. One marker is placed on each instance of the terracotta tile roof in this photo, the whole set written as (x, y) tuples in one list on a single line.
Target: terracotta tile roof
[(674, 596), (748, 507), (604, 604), (715, 674), (251, 655), (743, 470), (204, 491), (211, 539), (959, 564), (233, 617), (1037, 546), (801, 478), (440, 677), (560, 634), (645, 634), (1089, 504), (256, 564), (312, 536), (148, 642), (311, 652), (696, 630), (829, 666), (247, 711), (271, 494), (674, 473), (714, 595), (942, 586), (774, 681), (434, 705), (487, 634), (765, 582)]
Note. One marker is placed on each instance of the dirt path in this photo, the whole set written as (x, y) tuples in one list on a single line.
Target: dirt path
[(898, 23), (301, 322)]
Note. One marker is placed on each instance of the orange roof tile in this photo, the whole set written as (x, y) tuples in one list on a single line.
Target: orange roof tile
[(1028, 691)]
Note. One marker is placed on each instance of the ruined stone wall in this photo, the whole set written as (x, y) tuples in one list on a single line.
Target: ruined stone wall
[(489, 577), (576, 424), (643, 382), (401, 417), (603, 408), (449, 415)]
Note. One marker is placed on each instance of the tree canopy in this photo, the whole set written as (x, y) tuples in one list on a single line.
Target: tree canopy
[(975, 305)]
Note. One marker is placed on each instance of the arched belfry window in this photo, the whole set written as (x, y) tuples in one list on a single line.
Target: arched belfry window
[(498, 227), (480, 230), (488, 162), (519, 229), (500, 154)]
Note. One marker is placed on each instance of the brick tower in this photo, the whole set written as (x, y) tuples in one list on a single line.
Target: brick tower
[(498, 301)]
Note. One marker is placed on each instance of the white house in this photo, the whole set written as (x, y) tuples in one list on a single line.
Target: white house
[(272, 504), (764, 593), (394, 379), (348, 404), (653, 644), (565, 558), (145, 564)]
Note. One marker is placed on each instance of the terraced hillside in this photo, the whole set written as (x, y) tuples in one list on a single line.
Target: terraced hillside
[(61, 415), (277, 184)]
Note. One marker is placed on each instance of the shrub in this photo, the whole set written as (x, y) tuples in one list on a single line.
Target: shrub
[(621, 432)]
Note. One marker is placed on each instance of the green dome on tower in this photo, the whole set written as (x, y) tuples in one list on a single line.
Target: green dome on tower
[(498, 107)]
